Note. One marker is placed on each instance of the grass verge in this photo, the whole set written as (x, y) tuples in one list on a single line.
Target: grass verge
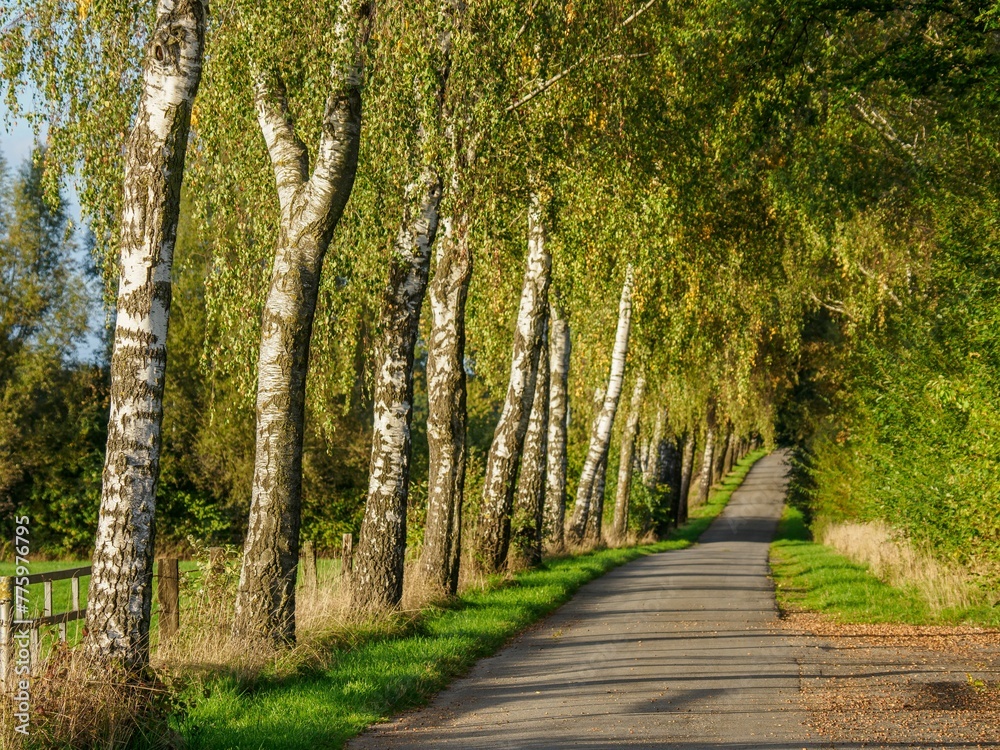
[(411, 659), (812, 577)]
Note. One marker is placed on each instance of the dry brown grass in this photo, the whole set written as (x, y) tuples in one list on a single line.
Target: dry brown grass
[(205, 645), (84, 705), (897, 561)]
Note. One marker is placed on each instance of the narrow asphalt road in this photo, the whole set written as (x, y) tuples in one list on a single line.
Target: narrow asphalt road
[(675, 650)]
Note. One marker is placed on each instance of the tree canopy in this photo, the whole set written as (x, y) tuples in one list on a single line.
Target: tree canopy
[(807, 193)]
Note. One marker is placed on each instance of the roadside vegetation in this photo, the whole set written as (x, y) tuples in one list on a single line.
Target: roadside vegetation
[(581, 258), (812, 577)]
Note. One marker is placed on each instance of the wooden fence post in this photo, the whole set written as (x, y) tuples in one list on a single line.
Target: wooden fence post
[(347, 555), (168, 596), (6, 629), (307, 556)]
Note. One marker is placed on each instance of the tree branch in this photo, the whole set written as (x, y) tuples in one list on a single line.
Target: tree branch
[(882, 285), (289, 158), (352, 30), (882, 125), (527, 19), (833, 306)]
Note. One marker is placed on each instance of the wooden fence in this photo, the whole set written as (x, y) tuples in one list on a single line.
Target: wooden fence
[(16, 628), (20, 635)]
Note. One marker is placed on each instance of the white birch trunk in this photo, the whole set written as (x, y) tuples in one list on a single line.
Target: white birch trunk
[(727, 464), (601, 434), (446, 377), (529, 503), (651, 451), (687, 469), (311, 207), (377, 580), (556, 462), (705, 481), (627, 461), (719, 465), (446, 411), (379, 560), (493, 533), (120, 595)]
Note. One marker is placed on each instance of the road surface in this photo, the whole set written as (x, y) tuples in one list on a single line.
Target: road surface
[(675, 650)]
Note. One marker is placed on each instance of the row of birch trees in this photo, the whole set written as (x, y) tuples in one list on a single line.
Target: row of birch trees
[(577, 203), (453, 127)]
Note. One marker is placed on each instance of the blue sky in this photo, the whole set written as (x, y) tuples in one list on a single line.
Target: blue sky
[(16, 138)]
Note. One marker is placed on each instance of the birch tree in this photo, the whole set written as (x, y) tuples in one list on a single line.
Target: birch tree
[(719, 465), (731, 449), (649, 450), (114, 87), (595, 521), (626, 461), (601, 435), (120, 594), (708, 458), (538, 52), (556, 461), (529, 502), (464, 131), (378, 572), (493, 532), (311, 205), (687, 470), (446, 409)]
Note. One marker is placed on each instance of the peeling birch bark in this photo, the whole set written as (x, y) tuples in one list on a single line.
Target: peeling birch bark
[(556, 462), (493, 532), (310, 209), (120, 595), (626, 462), (529, 502), (687, 469), (601, 434), (446, 410)]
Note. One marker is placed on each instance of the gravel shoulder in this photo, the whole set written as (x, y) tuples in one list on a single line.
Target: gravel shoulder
[(899, 685)]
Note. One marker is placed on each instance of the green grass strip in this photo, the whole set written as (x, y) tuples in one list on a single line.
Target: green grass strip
[(812, 577), (382, 677)]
